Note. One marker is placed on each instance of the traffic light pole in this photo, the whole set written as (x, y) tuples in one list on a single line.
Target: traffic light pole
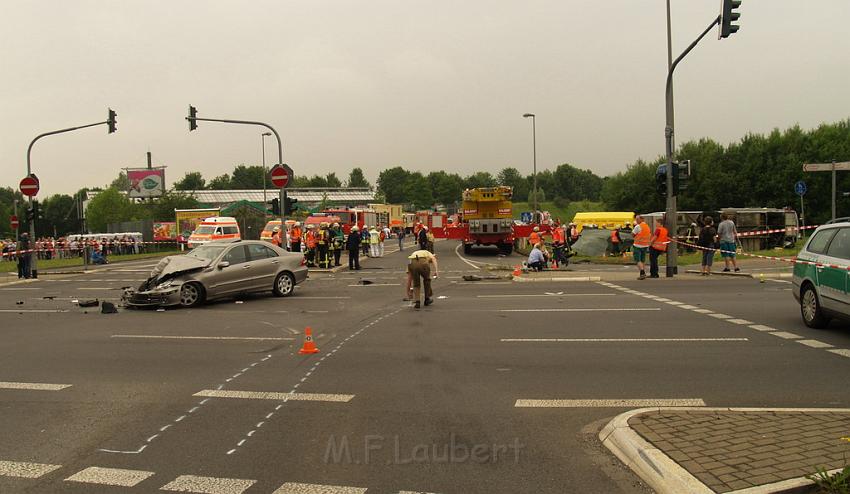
[(34, 258), (671, 210), (279, 149)]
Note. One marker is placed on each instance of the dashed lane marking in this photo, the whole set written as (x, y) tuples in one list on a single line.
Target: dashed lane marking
[(25, 470), (296, 488), (236, 338), (814, 343), (602, 309), (378, 284), (267, 395), (739, 321), (615, 403), (786, 335), (34, 386), (703, 311), (762, 327), (323, 298), (688, 307), (110, 476), (17, 288), (208, 485), (840, 351), (549, 295), (617, 340), (718, 315)]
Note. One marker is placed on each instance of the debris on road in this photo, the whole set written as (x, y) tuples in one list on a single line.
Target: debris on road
[(89, 303), (108, 308)]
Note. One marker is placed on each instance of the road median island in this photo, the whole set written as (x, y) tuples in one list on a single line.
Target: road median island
[(739, 450)]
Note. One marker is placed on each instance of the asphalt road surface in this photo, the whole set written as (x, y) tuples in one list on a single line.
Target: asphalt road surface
[(499, 387)]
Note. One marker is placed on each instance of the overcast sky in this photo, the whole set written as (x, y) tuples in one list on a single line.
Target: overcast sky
[(429, 85)]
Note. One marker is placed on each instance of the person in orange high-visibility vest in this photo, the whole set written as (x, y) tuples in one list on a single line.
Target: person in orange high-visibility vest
[(642, 241), (295, 237), (535, 237), (558, 246), (276, 236), (658, 245), (310, 242), (615, 242)]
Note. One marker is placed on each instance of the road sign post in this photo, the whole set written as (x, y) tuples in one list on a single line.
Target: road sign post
[(828, 167), (13, 222), (29, 185), (800, 188)]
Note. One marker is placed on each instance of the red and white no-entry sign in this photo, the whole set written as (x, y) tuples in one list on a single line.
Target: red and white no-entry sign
[(281, 175), (29, 186), (13, 221)]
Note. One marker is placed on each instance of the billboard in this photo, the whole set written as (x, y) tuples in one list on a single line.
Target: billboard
[(164, 231), (188, 219), (146, 182)]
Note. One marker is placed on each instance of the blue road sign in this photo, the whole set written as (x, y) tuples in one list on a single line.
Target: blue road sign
[(800, 188)]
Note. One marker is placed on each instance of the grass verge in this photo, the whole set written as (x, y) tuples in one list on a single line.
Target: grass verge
[(77, 262)]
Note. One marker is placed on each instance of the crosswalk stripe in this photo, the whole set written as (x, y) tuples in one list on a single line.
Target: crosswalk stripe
[(616, 403), (814, 343), (840, 351), (34, 386), (786, 335), (297, 488), (720, 316), (762, 327), (25, 470), (739, 321), (208, 485), (110, 476), (265, 395)]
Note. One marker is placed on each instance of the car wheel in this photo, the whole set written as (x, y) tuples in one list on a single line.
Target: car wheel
[(284, 285), (811, 310), (191, 294), (467, 248)]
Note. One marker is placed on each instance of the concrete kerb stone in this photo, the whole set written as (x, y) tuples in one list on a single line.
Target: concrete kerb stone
[(521, 279), (663, 474)]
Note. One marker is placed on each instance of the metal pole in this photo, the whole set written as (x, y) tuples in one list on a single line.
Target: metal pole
[(534, 148), (833, 189), (669, 67), (802, 218), (671, 210), (18, 229), (263, 140)]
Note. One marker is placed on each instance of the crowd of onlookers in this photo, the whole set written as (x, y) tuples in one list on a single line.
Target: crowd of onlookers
[(72, 246)]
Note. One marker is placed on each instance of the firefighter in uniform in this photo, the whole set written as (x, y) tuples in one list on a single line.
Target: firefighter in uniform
[(310, 241), (353, 246), (322, 245), (295, 237), (338, 243)]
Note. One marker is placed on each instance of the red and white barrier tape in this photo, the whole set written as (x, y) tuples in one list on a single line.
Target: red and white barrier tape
[(792, 260), (777, 230), (79, 248)]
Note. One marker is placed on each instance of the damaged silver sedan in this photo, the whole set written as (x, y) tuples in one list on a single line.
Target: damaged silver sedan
[(220, 269)]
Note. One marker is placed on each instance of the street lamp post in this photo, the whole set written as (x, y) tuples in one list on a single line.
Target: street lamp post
[(263, 140), (534, 151)]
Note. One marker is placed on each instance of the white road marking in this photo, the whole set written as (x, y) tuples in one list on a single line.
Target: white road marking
[(19, 288), (814, 343), (841, 351), (380, 284), (323, 298), (786, 335), (703, 311), (110, 476), (608, 309), (549, 295), (719, 315), (778, 281), (739, 321), (163, 337), (297, 488), (618, 403), (267, 395), (762, 327), (208, 485), (457, 252), (33, 386), (688, 307), (96, 288), (673, 302), (617, 340), (25, 470), (663, 299)]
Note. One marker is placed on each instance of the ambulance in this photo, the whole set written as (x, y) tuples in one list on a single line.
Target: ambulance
[(214, 228)]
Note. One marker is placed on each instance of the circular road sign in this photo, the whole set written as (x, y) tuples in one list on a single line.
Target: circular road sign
[(800, 188), (281, 175), (13, 221), (29, 186)]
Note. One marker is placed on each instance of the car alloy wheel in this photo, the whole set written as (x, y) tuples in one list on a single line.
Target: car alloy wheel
[(284, 285), (810, 309), (190, 295)]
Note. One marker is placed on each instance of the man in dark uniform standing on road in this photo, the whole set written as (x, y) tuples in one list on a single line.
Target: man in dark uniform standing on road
[(420, 270), (352, 244)]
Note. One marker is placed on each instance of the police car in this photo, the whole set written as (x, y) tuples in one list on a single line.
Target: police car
[(822, 275)]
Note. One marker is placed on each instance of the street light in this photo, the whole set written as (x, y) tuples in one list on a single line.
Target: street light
[(534, 147), (263, 140)]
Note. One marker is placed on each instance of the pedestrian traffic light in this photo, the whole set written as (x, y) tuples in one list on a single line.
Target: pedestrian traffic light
[(727, 17), (111, 120), (289, 206), (276, 206), (661, 180), (193, 113), (32, 211)]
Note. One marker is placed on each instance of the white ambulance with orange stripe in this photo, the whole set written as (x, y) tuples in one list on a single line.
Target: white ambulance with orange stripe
[(214, 228)]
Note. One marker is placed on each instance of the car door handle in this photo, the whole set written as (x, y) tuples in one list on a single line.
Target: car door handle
[(246, 267), (274, 262)]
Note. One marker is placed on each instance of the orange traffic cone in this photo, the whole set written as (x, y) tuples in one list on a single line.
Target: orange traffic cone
[(309, 346), (517, 270)]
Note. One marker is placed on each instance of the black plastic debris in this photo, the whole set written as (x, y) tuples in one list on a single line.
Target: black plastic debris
[(89, 303), (108, 308)]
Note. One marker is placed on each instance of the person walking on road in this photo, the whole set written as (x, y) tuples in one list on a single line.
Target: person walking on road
[(728, 235), (364, 241), (422, 237), (374, 240), (642, 241), (707, 238), (23, 256), (352, 244), (400, 239), (420, 272), (658, 245)]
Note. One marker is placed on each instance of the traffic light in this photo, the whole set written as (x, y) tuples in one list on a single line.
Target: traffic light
[(661, 180), (683, 176), (289, 206), (111, 120), (193, 113), (728, 15), (32, 211), (276, 206)]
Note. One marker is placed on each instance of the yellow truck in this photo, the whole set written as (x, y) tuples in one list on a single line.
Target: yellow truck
[(487, 215)]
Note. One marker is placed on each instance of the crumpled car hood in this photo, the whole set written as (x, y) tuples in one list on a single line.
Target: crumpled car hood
[(174, 264)]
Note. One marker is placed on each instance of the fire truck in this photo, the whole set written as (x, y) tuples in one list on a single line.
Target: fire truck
[(486, 218)]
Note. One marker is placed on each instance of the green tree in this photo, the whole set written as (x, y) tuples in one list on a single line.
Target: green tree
[(392, 182), (191, 181), (512, 178), (447, 189), (247, 177), (357, 179), (59, 216), (417, 190), (479, 179), (317, 181), (110, 206), (332, 180), (163, 208), (121, 182), (221, 182)]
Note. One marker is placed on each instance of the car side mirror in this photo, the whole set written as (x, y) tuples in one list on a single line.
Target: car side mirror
[(223, 264)]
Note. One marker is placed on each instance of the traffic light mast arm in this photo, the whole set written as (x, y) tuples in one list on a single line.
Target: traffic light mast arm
[(29, 149), (246, 122)]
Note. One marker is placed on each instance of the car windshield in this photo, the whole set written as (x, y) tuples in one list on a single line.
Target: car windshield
[(206, 251), (205, 230)]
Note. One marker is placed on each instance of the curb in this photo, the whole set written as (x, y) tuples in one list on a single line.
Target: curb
[(663, 474), (520, 279)]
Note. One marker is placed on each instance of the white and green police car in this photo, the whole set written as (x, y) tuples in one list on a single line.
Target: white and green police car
[(822, 280)]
